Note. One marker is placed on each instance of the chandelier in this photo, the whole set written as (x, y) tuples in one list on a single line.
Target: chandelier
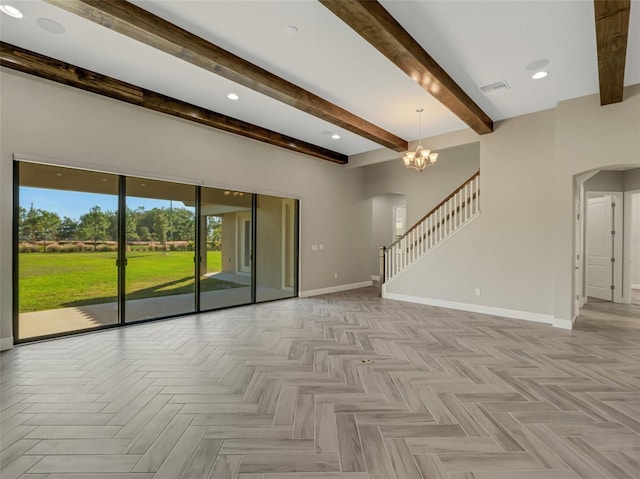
[(421, 158)]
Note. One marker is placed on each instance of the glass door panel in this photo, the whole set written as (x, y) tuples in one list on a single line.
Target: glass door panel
[(277, 248), (67, 250), (160, 258), (225, 255)]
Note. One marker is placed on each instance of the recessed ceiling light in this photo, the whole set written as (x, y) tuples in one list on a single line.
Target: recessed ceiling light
[(50, 26), (11, 11), (143, 184), (58, 174), (232, 96), (539, 75), (104, 179), (335, 137), (291, 30)]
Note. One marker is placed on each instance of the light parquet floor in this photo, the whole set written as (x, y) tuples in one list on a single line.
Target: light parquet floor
[(279, 390)]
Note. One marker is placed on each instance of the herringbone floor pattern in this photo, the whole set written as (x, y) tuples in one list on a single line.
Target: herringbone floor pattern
[(340, 386)]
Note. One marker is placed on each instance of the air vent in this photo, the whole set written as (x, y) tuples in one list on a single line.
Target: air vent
[(498, 86)]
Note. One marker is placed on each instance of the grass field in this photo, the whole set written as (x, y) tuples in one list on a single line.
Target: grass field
[(59, 280)]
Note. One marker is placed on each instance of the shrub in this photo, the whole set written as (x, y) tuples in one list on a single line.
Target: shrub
[(74, 248), (53, 248), (104, 248), (28, 248), (177, 246)]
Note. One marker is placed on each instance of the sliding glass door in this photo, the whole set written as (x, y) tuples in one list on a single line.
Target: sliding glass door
[(67, 244), (225, 256), (96, 249), (160, 253)]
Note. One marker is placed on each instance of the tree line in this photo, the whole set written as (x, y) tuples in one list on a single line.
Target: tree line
[(155, 225)]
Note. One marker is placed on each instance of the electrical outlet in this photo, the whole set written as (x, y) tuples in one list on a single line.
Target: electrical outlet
[(335, 275), (477, 291), (321, 247), (314, 247)]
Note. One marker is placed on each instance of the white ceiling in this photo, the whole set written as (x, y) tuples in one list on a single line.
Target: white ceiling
[(477, 42)]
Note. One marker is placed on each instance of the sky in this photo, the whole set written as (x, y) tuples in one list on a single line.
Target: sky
[(74, 204)]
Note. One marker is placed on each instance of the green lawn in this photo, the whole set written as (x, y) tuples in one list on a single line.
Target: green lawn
[(58, 280)]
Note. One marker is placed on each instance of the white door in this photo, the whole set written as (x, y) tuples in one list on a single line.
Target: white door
[(244, 242), (599, 225)]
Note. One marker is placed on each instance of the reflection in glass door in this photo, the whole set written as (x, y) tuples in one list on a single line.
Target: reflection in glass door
[(225, 256), (160, 257), (276, 247), (244, 242), (67, 276)]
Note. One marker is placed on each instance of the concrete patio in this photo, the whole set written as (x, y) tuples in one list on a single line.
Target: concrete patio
[(55, 321)]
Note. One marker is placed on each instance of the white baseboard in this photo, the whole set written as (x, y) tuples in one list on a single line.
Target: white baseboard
[(375, 277), (334, 289), (635, 286), (476, 308), (6, 343), (564, 323)]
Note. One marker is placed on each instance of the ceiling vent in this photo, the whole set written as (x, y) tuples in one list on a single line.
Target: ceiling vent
[(496, 87)]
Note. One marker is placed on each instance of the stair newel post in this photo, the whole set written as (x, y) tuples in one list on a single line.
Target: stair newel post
[(382, 265)]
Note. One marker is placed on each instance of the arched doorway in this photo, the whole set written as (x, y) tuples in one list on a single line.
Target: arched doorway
[(607, 243)]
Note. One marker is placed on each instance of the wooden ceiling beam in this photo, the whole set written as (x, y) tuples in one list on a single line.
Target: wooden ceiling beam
[(19, 59), (612, 30), (143, 26), (372, 22)]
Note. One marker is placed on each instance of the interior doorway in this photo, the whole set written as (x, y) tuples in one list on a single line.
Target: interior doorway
[(605, 240), (632, 245)]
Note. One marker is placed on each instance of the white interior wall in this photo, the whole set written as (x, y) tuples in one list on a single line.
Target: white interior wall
[(505, 251), (76, 128), (588, 137), (423, 189), (520, 251)]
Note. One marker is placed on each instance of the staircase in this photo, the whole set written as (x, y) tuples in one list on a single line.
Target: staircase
[(441, 222)]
